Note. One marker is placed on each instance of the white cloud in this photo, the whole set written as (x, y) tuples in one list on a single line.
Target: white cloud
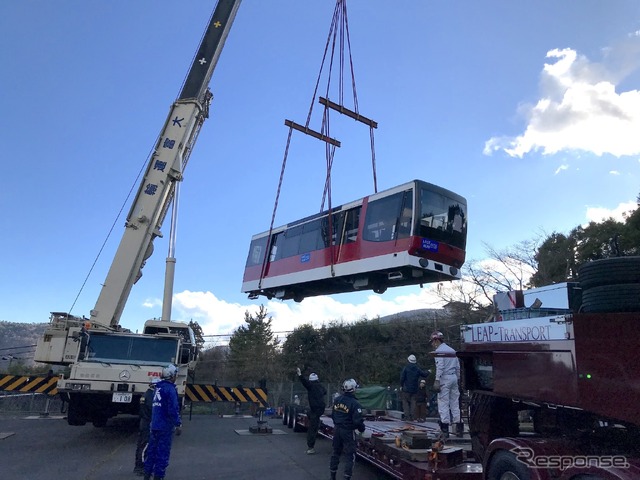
[(614, 172), (561, 168), (600, 214), (217, 317), (579, 108)]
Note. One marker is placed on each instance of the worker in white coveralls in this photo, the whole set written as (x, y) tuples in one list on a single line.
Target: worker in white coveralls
[(446, 384)]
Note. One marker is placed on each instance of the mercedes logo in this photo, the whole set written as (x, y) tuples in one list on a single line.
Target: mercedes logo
[(125, 375)]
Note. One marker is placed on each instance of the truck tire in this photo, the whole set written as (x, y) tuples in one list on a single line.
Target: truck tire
[(623, 297), (505, 466), (609, 271), (292, 416), (75, 413)]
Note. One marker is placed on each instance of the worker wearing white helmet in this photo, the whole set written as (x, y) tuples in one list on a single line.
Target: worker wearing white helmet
[(346, 414), (165, 419), (317, 395), (409, 379), (446, 384)]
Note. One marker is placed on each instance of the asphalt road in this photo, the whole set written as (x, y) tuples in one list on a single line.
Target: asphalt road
[(210, 447)]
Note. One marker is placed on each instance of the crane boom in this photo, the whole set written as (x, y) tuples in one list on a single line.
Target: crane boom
[(165, 167)]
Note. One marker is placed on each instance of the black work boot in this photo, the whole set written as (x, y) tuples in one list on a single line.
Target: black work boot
[(460, 429), (444, 428), (333, 475)]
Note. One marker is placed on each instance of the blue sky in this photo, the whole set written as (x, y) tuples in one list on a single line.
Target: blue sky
[(530, 109)]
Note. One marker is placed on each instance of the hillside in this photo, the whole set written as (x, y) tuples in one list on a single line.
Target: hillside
[(18, 340)]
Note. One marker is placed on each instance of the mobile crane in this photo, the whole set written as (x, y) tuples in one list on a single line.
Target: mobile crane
[(110, 367)]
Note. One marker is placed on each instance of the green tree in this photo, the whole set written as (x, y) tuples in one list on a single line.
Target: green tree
[(253, 349), (212, 366), (198, 333), (596, 240), (301, 349), (555, 259)]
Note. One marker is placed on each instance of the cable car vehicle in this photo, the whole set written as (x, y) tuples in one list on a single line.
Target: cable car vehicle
[(411, 234)]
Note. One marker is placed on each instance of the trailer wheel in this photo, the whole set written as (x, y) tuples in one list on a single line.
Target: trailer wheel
[(296, 426), (609, 271), (505, 466), (612, 298), (292, 416)]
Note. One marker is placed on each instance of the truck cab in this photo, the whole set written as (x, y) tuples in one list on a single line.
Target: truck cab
[(554, 384)]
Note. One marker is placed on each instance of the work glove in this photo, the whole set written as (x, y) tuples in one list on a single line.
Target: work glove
[(361, 428), (298, 371), (436, 386), (178, 430)]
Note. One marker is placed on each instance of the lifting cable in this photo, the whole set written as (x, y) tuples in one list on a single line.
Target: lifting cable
[(339, 30)]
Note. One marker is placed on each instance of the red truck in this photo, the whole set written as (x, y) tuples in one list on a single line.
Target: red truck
[(554, 390)]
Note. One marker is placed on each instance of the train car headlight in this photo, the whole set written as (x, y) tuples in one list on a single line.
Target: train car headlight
[(424, 263)]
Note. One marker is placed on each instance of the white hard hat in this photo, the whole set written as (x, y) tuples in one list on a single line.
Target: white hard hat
[(411, 358), (437, 336), (169, 371), (313, 377), (349, 385)]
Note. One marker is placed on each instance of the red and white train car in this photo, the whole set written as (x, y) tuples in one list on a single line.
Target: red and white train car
[(411, 234)]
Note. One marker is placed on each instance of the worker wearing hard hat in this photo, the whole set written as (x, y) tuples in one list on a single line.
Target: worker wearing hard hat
[(165, 418), (409, 379), (346, 414), (317, 395), (446, 384)]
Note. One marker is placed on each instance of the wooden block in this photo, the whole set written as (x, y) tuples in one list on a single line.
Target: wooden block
[(416, 440)]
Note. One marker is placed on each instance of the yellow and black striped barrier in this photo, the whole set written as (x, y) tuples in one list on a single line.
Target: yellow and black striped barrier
[(193, 392), (213, 393), (26, 384)]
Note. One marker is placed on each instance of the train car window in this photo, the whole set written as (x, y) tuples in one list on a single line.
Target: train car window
[(406, 216), (351, 225), (382, 218), (276, 247), (256, 251), (310, 239), (291, 244), (337, 224), (442, 219)]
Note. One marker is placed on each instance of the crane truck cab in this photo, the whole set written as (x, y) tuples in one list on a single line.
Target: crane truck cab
[(109, 369)]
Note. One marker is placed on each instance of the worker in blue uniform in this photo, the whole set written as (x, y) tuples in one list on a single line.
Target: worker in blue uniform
[(165, 417), (347, 418)]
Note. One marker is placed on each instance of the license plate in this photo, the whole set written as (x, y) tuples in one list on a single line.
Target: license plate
[(122, 397)]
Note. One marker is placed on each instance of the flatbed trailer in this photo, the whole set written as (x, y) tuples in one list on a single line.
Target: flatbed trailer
[(405, 450)]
